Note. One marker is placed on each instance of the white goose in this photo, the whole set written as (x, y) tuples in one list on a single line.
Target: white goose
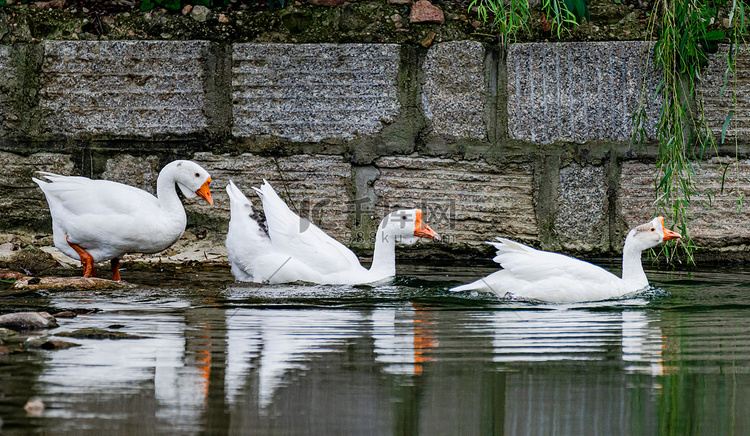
[(277, 246), (99, 220), (552, 277)]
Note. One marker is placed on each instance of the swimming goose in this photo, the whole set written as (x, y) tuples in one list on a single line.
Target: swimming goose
[(277, 246), (99, 220), (552, 277)]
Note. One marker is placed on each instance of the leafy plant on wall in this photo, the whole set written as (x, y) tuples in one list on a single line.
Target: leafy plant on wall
[(510, 17), (687, 32)]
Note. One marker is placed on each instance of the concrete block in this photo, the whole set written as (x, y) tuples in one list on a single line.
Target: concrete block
[(581, 219), (317, 187), (22, 203), (719, 216), (718, 104), (310, 92), (123, 88), (579, 91), (453, 96), (466, 202)]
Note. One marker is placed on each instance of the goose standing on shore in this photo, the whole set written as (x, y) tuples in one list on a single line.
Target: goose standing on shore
[(100, 220), (556, 278), (277, 246)]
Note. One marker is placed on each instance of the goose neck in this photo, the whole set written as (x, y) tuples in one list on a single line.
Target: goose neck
[(384, 254), (166, 191), (632, 268)]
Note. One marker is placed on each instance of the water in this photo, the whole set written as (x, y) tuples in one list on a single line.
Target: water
[(406, 358)]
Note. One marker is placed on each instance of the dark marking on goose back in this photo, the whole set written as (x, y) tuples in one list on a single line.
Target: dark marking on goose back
[(259, 218)]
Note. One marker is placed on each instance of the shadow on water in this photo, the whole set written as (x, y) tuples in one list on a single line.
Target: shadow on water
[(405, 357)]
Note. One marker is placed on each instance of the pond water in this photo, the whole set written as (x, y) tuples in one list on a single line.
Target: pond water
[(407, 358)]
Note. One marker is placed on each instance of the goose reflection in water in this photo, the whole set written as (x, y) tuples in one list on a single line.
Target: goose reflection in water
[(266, 359)]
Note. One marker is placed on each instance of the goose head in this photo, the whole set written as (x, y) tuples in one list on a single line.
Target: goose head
[(650, 235), (193, 180), (406, 226)]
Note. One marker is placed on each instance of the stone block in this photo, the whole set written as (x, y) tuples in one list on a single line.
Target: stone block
[(466, 202), (719, 217), (141, 171), (6, 86), (579, 91), (453, 96), (718, 104), (123, 88), (317, 187), (22, 203), (581, 219), (311, 92)]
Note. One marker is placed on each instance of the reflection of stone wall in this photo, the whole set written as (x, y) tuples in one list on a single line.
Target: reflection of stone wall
[(532, 146)]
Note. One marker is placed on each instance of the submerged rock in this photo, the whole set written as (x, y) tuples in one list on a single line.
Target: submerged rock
[(28, 321), (6, 334), (45, 343), (71, 283), (34, 407), (94, 333)]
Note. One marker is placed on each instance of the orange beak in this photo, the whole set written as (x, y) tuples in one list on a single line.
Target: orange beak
[(668, 234), (205, 193), (423, 230)]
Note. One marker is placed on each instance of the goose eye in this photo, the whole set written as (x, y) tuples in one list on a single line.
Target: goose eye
[(197, 174), (652, 229), (403, 217)]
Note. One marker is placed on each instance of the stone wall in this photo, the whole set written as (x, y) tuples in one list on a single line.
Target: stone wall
[(532, 144)]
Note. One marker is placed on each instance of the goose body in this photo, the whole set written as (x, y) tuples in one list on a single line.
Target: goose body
[(99, 220), (277, 246), (544, 276)]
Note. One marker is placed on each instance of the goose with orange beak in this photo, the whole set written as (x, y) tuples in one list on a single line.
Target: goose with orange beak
[(551, 277), (277, 246), (100, 220)]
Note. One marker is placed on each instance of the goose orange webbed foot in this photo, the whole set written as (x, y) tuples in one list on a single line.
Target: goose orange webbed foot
[(86, 259), (115, 269)]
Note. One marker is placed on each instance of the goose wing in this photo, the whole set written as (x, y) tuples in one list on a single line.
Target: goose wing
[(301, 239), (531, 265)]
